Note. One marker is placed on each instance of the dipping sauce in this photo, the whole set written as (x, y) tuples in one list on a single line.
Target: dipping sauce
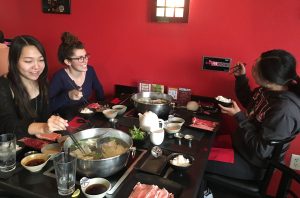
[(172, 128), (95, 189), (175, 121), (35, 162)]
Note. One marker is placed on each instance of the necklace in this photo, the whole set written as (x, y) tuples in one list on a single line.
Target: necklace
[(36, 106)]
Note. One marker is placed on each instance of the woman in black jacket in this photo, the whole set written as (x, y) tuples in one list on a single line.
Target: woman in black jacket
[(24, 91), (273, 113)]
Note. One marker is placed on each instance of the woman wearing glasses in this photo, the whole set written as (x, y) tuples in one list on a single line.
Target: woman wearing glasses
[(24, 91), (74, 84)]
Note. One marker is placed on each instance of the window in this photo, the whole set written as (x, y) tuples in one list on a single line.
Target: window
[(170, 11)]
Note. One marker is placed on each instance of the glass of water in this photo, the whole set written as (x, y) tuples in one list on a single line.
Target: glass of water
[(65, 172), (7, 152)]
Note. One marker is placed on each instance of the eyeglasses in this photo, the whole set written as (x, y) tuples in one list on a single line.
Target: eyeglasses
[(81, 59)]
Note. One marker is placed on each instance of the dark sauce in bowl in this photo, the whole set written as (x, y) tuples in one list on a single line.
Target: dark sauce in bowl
[(175, 121), (35, 162), (95, 189)]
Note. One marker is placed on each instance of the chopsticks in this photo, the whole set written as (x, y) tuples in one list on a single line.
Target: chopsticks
[(77, 144), (78, 89)]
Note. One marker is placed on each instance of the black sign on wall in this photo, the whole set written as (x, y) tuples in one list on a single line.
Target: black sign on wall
[(216, 63), (56, 6)]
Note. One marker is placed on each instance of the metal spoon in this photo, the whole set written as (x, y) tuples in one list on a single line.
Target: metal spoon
[(178, 136), (189, 138)]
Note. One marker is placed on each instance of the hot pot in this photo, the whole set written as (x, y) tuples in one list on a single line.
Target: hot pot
[(161, 110), (101, 167)]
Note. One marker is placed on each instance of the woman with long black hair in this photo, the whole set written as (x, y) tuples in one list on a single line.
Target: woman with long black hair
[(24, 91), (272, 113)]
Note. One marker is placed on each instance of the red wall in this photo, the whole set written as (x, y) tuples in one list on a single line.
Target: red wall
[(126, 47)]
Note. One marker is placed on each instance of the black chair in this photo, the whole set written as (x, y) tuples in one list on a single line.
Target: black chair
[(259, 188), (287, 176)]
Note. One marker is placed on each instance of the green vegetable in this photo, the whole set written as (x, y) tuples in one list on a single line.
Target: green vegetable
[(137, 133)]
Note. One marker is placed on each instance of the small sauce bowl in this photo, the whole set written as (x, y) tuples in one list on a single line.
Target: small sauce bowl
[(94, 187), (172, 128), (51, 149), (120, 108), (35, 162), (176, 120), (110, 113)]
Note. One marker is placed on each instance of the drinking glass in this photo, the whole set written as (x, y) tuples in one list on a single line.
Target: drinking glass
[(65, 171), (7, 152)]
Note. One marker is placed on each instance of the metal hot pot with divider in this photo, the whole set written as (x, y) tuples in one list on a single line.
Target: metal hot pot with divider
[(101, 167)]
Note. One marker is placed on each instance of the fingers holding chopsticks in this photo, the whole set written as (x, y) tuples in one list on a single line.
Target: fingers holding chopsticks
[(75, 94), (239, 69), (56, 123)]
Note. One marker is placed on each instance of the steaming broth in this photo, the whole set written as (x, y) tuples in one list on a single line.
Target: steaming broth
[(147, 100), (100, 148)]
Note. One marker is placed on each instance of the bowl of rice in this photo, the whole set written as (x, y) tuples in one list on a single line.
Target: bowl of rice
[(180, 161), (226, 102)]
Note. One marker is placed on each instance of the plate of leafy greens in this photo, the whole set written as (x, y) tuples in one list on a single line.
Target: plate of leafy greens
[(138, 136)]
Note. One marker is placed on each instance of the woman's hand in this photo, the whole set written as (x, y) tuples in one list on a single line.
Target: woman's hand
[(230, 110), (239, 69), (75, 94), (56, 123)]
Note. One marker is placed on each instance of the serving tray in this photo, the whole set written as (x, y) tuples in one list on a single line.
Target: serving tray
[(153, 165)]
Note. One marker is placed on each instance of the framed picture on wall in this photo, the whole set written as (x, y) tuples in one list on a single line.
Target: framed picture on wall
[(216, 63), (56, 6)]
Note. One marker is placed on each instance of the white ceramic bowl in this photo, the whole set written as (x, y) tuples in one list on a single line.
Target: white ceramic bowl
[(177, 120), (87, 183), (172, 127), (110, 113), (37, 157), (51, 149), (120, 108), (86, 113)]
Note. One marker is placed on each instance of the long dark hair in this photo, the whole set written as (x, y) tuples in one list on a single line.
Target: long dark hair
[(21, 95), (69, 42), (1, 37), (279, 66)]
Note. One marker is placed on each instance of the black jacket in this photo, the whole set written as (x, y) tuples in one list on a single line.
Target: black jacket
[(11, 120), (271, 115)]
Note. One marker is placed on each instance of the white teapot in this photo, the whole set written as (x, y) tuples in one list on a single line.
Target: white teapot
[(149, 121)]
